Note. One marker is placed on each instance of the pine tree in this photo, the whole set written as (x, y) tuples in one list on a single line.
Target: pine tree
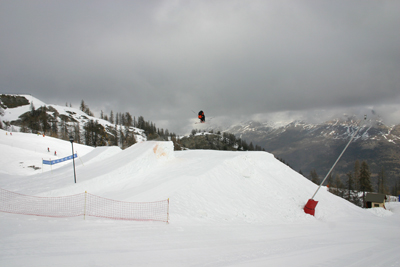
[(54, 126), (357, 175), (130, 139), (77, 133), (350, 186), (251, 146), (365, 180), (32, 119), (64, 129), (395, 188), (83, 106), (314, 177), (44, 120), (122, 137), (382, 187), (339, 186), (129, 120), (116, 139), (140, 123), (122, 120), (94, 133), (54, 129), (245, 146), (111, 119)]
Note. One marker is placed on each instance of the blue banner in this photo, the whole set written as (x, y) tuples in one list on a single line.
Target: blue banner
[(52, 162)]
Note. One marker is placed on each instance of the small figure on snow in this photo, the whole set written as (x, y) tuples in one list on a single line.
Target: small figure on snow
[(202, 117), (55, 153), (48, 149)]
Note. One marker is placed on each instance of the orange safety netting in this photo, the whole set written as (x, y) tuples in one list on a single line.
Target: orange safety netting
[(83, 204)]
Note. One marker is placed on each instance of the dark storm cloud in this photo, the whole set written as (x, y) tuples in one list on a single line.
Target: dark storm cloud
[(162, 59)]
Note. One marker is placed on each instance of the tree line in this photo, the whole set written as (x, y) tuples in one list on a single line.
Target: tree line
[(120, 131), (227, 141)]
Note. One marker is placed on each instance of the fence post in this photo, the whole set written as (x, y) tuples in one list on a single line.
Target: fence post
[(84, 209), (168, 212)]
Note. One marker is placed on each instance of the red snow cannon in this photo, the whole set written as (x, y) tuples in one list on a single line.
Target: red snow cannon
[(309, 208)]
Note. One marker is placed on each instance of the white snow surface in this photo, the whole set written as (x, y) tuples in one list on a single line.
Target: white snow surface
[(226, 209)]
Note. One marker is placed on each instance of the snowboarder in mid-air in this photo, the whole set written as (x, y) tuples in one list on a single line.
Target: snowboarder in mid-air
[(202, 117)]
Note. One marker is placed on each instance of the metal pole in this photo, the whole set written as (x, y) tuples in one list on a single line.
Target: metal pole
[(351, 139), (84, 210), (71, 139)]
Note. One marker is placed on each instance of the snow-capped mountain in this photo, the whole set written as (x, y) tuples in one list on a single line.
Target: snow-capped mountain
[(307, 146)]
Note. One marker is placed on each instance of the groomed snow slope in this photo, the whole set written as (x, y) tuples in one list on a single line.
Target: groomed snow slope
[(226, 209), (216, 185)]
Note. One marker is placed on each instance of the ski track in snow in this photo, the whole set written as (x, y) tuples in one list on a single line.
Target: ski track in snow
[(226, 209)]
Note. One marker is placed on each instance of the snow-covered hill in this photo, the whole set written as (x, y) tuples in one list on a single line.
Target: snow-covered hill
[(226, 209), (72, 117)]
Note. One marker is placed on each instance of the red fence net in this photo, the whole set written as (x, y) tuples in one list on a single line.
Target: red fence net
[(83, 204)]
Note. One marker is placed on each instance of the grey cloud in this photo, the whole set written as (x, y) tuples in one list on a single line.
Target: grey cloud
[(161, 59)]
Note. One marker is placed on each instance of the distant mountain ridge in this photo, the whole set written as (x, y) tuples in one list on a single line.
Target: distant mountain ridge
[(307, 146)]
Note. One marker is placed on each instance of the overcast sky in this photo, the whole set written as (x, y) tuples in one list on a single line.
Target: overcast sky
[(242, 59)]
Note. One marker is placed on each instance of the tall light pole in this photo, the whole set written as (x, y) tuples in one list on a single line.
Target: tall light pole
[(71, 139)]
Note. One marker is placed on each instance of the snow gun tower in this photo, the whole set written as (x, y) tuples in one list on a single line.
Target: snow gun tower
[(309, 208)]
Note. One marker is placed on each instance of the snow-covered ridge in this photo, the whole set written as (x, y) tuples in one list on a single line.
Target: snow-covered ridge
[(75, 117), (336, 129)]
